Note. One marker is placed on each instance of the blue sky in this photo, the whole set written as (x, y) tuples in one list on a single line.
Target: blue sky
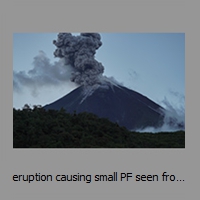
[(152, 64)]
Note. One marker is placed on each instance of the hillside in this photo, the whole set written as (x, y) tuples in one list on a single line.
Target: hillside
[(40, 128), (119, 104)]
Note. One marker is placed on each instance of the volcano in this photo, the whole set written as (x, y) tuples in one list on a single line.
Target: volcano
[(119, 104)]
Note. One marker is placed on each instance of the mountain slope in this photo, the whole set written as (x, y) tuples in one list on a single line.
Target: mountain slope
[(119, 104)]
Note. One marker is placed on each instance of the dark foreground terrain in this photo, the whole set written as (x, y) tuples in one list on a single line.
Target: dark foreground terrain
[(38, 128)]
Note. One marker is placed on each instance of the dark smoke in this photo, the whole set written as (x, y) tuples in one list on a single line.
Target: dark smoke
[(77, 65), (78, 52)]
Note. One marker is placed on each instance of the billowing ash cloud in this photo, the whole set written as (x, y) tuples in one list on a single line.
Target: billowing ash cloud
[(76, 66), (78, 52)]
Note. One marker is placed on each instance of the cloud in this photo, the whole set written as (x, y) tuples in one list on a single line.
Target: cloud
[(43, 74), (174, 117)]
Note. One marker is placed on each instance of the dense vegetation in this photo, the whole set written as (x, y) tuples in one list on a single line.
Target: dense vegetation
[(37, 128)]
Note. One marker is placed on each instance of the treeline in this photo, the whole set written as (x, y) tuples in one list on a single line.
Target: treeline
[(38, 128)]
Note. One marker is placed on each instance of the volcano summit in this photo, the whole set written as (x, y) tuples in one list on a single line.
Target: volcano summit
[(114, 102)]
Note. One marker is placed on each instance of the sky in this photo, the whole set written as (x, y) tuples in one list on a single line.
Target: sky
[(152, 64)]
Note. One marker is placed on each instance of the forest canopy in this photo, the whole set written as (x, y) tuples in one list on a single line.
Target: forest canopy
[(39, 128)]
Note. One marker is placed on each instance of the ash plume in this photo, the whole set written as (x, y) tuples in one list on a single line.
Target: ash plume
[(76, 66), (78, 53)]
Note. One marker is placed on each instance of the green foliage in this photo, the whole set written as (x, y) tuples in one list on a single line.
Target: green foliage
[(38, 128)]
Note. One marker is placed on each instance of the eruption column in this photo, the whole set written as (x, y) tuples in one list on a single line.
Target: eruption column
[(78, 52)]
